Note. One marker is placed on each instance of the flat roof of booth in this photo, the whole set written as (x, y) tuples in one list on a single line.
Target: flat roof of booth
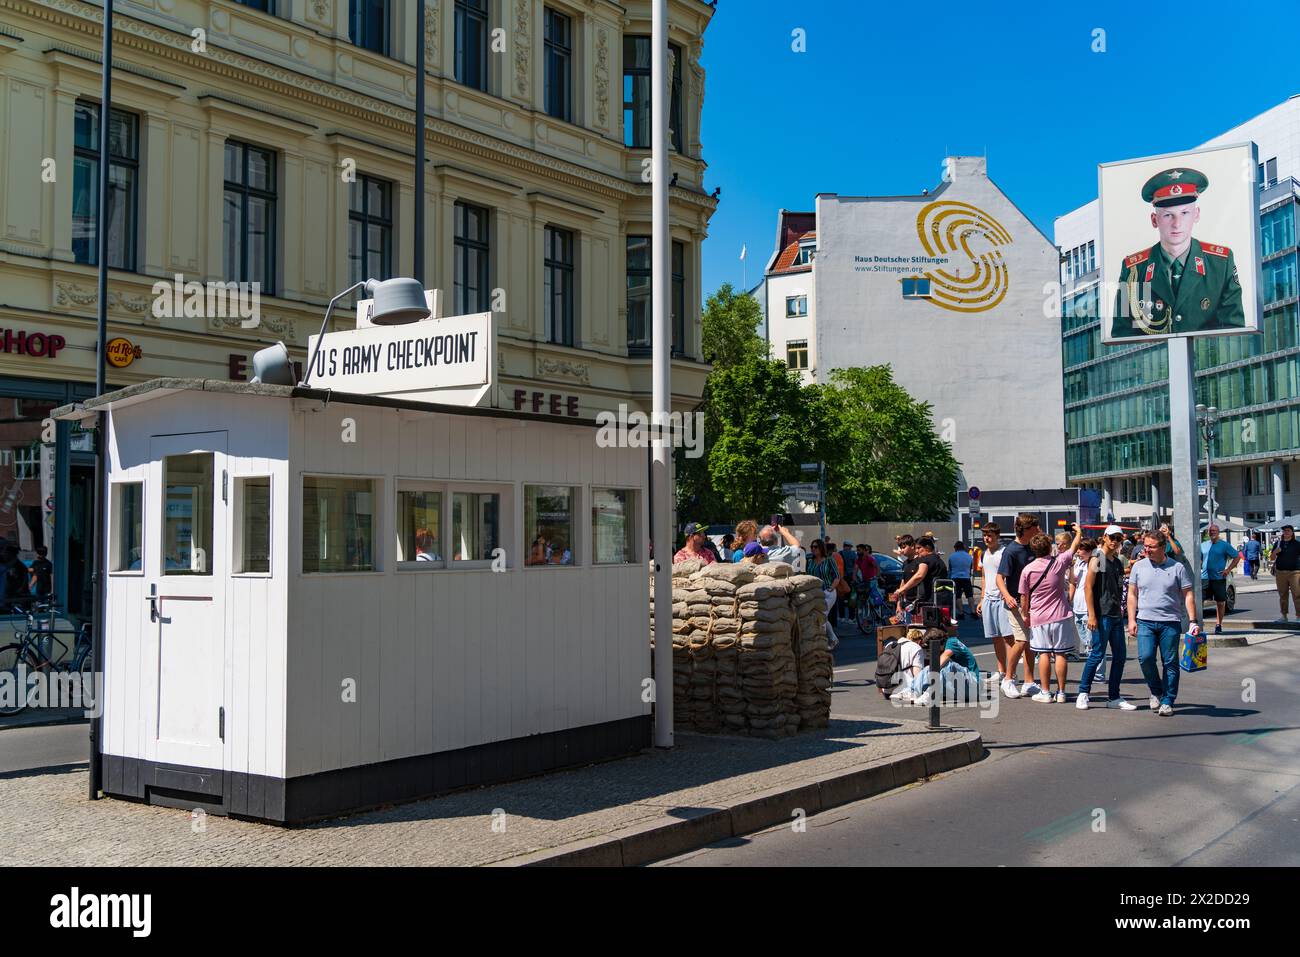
[(160, 388)]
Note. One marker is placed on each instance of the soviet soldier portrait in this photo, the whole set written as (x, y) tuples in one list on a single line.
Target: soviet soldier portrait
[(1181, 284)]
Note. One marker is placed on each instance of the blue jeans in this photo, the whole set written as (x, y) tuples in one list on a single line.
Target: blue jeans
[(1165, 634), (1109, 634), (957, 682)]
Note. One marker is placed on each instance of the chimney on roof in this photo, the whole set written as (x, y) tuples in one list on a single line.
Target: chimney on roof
[(955, 167)]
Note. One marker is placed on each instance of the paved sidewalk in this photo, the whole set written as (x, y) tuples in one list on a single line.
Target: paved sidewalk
[(634, 810)]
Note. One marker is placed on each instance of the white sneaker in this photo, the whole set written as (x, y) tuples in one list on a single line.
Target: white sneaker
[(1042, 697), (1009, 688), (1060, 697), (1081, 702), (922, 700), (1154, 703), (1031, 688), (996, 677), (1120, 704), (903, 694), (1165, 711)]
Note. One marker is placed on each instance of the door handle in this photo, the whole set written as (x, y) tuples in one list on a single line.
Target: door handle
[(155, 601)]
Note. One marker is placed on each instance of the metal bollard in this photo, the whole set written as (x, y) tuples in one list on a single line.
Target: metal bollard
[(936, 682)]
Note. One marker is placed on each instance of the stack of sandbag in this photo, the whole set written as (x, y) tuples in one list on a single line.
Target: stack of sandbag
[(767, 665), (812, 653), (749, 649)]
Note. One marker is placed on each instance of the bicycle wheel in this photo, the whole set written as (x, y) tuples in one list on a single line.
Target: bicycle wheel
[(13, 699), (866, 623)]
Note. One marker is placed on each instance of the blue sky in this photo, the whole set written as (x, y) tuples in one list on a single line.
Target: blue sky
[(886, 90)]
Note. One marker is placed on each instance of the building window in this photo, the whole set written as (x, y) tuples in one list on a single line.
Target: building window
[(559, 65), (1270, 172), (675, 119), (370, 229), (266, 6), (368, 24), (338, 524), (638, 293), (558, 270), (253, 525), (916, 287), (796, 306), (806, 255), (796, 354), (26, 462), (1092, 256), (249, 237), (123, 175), (613, 518), (128, 526), (472, 43), (679, 299), (189, 488), (419, 526), (636, 93), (475, 526), (550, 516), (473, 248)]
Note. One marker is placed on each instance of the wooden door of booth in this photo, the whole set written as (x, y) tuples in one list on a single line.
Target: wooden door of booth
[(186, 609)]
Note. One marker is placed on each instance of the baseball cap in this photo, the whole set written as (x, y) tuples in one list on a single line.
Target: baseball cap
[(1113, 530), (753, 548), (693, 527)]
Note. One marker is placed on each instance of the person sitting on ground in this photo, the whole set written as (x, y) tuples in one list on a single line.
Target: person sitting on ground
[(782, 546), (695, 548), (1044, 609), (911, 664), (959, 672)]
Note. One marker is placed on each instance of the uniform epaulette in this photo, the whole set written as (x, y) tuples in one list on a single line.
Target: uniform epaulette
[(1214, 250), (1136, 258)]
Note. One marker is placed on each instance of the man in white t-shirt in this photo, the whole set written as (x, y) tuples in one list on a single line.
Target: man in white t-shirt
[(991, 609)]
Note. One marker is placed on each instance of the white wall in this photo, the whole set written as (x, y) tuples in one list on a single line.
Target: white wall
[(992, 377), (782, 329)]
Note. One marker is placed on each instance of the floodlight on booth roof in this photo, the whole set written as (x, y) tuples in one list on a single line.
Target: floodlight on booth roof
[(273, 366), (396, 302)]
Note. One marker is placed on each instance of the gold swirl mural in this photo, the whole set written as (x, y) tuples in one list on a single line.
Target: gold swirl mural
[(945, 228)]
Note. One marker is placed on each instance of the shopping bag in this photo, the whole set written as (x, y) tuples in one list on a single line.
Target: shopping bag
[(1196, 652)]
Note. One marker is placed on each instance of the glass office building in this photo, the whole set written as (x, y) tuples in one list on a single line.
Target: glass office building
[(1117, 397)]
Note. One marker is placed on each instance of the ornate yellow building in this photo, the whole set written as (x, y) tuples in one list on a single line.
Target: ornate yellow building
[(272, 141)]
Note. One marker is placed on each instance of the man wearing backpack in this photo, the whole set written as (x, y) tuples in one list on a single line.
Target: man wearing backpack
[(1103, 589)]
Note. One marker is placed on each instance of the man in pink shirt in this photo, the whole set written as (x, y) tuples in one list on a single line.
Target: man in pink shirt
[(1047, 613)]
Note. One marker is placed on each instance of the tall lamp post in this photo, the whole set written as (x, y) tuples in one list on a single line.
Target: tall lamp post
[(1208, 420)]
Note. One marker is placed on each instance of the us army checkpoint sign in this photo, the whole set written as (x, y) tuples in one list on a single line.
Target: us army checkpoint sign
[(1180, 245), (437, 360)]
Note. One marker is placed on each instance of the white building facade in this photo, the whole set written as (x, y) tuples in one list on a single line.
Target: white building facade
[(958, 292)]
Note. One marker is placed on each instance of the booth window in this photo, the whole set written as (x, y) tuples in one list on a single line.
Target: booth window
[(550, 517), (253, 525), (188, 489), (128, 526), (419, 526), (613, 516), (475, 525), (338, 524)]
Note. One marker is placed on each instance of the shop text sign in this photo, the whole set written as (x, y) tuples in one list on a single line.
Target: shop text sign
[(419, 357), (38, 345)]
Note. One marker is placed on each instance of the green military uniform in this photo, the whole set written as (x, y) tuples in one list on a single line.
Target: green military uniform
[(1161, 296)]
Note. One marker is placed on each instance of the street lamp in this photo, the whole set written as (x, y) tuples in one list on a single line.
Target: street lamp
[(1208, 420)]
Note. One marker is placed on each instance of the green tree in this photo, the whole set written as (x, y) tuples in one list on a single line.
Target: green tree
[(767, 424), (884, 460), (729, 337)]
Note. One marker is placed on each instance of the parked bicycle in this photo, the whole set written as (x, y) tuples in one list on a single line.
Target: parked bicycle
[(872, 610), (39, 650)]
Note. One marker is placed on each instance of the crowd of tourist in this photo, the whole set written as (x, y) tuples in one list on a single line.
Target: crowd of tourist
[(1043, 603)]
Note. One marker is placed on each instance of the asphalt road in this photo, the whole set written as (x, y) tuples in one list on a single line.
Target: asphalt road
[(31, 749), (1217, 783)]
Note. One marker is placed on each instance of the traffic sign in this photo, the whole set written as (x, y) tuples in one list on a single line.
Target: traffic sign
[(804, 491), (973, 493)]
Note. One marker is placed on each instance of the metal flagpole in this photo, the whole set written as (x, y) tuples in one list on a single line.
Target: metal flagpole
[(661, 379), (418, 272), (101, 386)]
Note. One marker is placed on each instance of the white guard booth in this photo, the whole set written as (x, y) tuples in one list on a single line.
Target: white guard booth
[(322, 601)]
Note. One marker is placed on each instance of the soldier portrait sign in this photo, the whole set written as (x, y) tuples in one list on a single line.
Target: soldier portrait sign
[(1180, 245)]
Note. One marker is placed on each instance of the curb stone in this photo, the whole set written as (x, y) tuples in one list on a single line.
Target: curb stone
[(694, 828)]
